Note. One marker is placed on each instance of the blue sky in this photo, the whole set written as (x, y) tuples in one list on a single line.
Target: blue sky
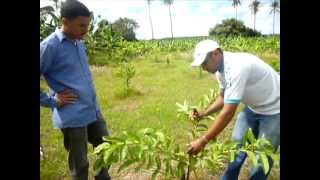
[(190, 17)]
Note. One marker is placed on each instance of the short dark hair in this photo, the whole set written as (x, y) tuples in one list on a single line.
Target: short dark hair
[(220, 50), (71, 9)]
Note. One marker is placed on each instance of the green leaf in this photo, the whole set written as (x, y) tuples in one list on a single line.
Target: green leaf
[(98, 164), (114, 139), (177, 149), (179, 105), (203, 125), (211, 118), (210, 163), (151, 161), (232, 156), (140, 152), (250, 136), (206, 97), (158, 162), (101, 147), (108, 153), (265, 162), (154, 174), (275, 157), (181, 168), (252, 157), (193, 134), (124, 152), (146, 131), (139, 167), (160, 136), (133, 136), (167, 164), (125, 164)]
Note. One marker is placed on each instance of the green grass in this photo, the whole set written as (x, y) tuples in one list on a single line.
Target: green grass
[(157, 86)]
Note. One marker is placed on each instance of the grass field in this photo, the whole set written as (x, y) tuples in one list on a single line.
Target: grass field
[(157, 87)]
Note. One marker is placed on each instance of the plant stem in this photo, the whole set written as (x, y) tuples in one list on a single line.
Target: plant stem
[(188, 171)]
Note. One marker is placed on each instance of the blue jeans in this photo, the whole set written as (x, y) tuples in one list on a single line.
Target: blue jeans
[(269, 125)]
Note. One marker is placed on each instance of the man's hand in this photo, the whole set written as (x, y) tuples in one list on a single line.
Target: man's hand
[(66, 97), (197, 115), (196, 146)]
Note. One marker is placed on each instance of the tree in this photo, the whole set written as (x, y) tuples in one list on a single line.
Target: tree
[(235, 4), (232, 27), (125, 27), (101, 26), (255, 5), (149, 2), (56, 4), (275, 9), (169, 3), (49, 19)]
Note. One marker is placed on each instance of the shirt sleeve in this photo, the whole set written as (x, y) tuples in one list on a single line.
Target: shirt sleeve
[(46, 57), (47, 52), (235, 87)]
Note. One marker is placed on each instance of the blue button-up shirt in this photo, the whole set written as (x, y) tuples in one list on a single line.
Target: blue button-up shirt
[(64, 65)]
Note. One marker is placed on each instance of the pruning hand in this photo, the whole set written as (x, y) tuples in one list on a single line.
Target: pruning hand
[(196, 146), (197, 115), (66, 97)]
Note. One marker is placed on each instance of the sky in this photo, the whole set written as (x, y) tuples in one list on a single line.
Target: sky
[(189, 17)]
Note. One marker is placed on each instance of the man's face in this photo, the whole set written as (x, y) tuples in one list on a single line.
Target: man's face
[(76, 28), (212, 61)]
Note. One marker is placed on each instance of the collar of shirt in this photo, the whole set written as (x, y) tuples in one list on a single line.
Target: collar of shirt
[(61, 36), (221, 65)]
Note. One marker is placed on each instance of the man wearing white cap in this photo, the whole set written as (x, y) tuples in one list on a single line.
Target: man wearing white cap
[(244, 78)]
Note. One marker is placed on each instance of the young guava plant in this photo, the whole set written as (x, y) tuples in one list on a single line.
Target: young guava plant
[(152, 150)]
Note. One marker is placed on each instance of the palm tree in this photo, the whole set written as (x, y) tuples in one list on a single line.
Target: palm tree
[(50, 10), (255, 5), (149, 1), (235, 4), (169, 3), (275, 8), (46, 9), (56, 3)]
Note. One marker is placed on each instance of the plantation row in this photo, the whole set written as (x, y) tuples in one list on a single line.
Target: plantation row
[(119, 50)]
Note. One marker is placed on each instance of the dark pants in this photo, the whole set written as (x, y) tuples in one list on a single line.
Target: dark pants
[(75, 142)]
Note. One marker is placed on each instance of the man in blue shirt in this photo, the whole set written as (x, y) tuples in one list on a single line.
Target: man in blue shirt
[(64, 65)]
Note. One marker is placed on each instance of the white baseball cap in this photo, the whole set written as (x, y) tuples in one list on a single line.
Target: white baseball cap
[(201, 51)]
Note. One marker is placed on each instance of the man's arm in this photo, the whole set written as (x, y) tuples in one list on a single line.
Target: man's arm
[(232, 98), (47, 52), (47, 101), (221, 121), (214, 107), (219, 124)]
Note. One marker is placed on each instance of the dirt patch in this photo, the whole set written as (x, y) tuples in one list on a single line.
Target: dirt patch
[(128, 106)]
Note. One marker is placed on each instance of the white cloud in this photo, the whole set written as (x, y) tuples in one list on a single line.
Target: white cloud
[(190, 17)]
